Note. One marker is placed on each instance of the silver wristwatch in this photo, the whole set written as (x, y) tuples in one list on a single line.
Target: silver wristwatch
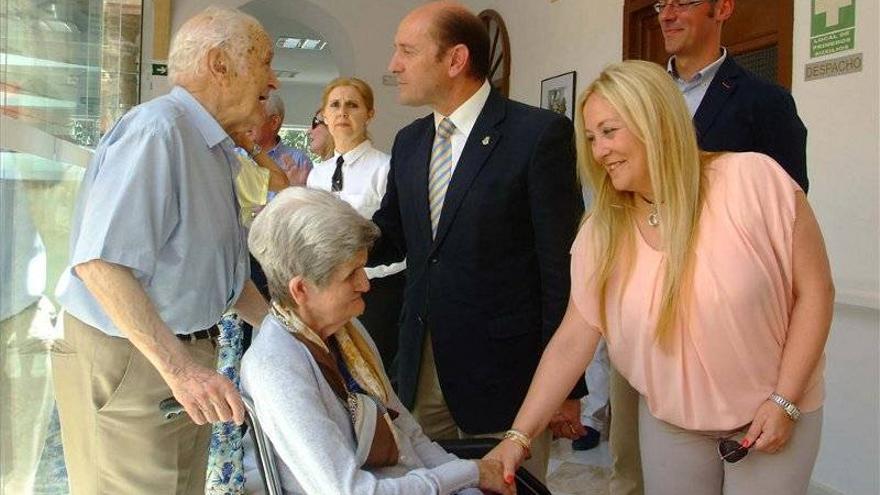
[(788, 406)]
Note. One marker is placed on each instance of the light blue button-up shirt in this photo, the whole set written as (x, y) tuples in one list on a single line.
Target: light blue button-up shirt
[(298, 159), (695, 89), (159, 198)]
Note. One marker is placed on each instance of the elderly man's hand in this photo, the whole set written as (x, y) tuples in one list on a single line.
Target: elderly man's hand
[(243, 139), (207, 395), (567, 421), (296, 175)]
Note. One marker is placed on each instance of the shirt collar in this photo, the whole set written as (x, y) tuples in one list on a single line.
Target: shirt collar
[(707, 72), (351, 156), (278, 143), (204, 121), (465, 116)]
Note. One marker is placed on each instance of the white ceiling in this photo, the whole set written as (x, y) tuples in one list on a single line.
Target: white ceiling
[(279, 19)]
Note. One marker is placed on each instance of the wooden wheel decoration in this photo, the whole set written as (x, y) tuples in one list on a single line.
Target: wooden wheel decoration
[(499, 51)]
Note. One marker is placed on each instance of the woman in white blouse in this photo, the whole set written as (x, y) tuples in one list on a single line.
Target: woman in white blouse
[(358, 174)]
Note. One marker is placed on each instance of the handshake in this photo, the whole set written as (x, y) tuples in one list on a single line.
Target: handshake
[(492, 477), (504, 459), (498, 468), (515, 447)]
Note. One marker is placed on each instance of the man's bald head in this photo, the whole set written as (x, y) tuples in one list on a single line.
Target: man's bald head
[(451, 23)]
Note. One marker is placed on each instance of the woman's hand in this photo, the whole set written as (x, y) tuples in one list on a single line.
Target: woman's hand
[(770, 430), (492, 479), (510, 454)]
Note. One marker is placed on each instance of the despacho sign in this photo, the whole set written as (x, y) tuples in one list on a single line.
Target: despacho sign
[(833, 67)]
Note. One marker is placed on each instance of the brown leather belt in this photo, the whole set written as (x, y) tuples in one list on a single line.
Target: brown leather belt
[(208, 333)]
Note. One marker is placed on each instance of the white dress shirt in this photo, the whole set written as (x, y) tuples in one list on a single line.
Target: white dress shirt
[(364, 179), (464, 117)]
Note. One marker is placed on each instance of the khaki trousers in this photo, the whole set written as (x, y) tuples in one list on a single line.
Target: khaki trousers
[(432, 413), (685, 461), (115, 439), (25, 396), (623, 438)]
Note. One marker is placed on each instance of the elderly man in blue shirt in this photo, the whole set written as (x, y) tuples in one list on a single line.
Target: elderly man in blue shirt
[(295, 164), (157, 256)]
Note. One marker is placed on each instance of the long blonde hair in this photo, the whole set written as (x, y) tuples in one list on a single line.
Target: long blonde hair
[(655, 112)]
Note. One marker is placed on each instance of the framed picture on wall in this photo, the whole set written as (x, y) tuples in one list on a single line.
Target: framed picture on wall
[(557, 94)]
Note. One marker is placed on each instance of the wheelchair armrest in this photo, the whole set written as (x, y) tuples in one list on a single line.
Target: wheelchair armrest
[(469, 448)]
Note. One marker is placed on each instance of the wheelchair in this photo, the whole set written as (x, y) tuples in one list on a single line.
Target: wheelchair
[(526, 483)]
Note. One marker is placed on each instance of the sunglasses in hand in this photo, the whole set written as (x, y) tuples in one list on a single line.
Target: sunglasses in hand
[(732, 451)]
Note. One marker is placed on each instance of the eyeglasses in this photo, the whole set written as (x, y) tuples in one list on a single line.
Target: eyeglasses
[(732, 451), (677, 6), (316, 121)]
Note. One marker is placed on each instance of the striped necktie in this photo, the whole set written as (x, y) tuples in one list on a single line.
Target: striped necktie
[(441, 170)]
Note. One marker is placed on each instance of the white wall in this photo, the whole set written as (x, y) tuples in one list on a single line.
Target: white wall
[(842, 115), (849, 455), (300, 102), (547, 39)]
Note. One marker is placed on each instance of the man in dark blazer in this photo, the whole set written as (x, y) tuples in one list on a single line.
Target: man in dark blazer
[(488, 261), (733, 110), (741, 112)]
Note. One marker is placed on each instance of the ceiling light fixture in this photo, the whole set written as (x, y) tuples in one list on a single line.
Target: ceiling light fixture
[(300, 43), (286, 74)]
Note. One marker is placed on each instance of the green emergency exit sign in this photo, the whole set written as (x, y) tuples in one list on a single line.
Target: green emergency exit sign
[(832, 26)]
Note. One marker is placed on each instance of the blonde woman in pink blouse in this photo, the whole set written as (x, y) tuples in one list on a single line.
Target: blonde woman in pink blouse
[(707, 275)]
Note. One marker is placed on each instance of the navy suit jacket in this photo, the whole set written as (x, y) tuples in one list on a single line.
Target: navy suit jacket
[(741, 112), (493, 285)]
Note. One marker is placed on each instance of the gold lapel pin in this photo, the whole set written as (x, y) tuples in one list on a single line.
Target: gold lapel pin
[(486, 141)]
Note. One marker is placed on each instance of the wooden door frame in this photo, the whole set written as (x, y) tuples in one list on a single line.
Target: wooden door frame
[(629, 8)]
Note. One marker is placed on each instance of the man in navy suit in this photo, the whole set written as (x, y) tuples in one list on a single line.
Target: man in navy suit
[(483, 202), (733, 110)]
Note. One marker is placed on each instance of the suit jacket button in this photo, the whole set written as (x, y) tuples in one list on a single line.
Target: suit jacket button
[(434, 260)]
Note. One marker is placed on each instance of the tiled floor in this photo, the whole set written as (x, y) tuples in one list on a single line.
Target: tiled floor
[(578, 473)]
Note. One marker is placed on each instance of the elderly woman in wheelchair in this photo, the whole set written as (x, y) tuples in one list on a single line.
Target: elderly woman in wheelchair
[(315, 378)]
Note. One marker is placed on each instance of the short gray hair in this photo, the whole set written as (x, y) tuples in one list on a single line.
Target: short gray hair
[(275, 106), (308, 233), (231, 30)]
